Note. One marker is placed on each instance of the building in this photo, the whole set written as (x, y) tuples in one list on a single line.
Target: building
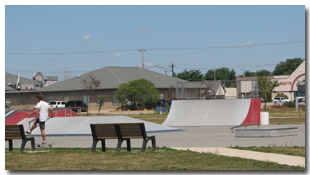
[(18, 90), (290, 85), (77, 88), (48, 80)]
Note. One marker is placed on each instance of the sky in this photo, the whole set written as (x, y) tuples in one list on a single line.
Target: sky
[(79, 39)]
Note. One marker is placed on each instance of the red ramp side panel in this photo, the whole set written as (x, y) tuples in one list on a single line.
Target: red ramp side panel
[(253, 115), (18, 116), (21, 115)]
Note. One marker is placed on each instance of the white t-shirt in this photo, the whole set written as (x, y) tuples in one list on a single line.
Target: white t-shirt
[(43, 110)]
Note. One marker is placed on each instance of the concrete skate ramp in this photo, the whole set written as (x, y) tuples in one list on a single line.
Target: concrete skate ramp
[(213, 112), (80, 126)]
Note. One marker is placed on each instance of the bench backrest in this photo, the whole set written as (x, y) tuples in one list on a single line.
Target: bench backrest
[(121, 130), (132, 130), (104, 131), (14, 132)]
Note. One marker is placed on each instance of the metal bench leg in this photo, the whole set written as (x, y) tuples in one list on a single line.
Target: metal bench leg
[(128, 145), (119, 144), (93, 148), (10, 145), (23, 145), (144, 145), (33, 147), (103, 145), (154, 144)]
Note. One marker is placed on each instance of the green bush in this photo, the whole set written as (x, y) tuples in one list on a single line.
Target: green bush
[(168, 107), (290, 104)]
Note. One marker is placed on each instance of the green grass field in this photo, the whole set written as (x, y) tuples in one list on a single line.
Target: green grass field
[(162, 159)]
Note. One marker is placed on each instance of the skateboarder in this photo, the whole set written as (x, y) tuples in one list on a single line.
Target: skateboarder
[(43, 108)]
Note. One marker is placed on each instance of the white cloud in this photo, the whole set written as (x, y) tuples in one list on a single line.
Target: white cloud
[(118, 54), (142, 30), (87, 37), (149, 64), (247, 43)]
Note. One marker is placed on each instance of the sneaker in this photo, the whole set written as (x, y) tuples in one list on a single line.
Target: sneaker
[(44, 142), (28, 132)]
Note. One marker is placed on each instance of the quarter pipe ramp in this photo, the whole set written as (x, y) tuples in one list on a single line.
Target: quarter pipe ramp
[(214, 112)]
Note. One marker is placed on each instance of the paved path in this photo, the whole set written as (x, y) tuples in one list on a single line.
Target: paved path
[(271, 157)]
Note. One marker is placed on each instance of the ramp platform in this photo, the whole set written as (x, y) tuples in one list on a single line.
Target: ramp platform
[(265, 132)]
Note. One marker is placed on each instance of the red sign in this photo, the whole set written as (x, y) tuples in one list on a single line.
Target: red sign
[(285, 83)]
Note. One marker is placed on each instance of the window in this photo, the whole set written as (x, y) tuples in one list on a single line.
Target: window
[(8, 102), (115, 99), (162, 96), (49, 99), (86, 99)]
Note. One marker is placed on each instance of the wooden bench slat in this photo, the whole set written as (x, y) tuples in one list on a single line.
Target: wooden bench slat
[(8, 138), (12, 135), (107, 137)]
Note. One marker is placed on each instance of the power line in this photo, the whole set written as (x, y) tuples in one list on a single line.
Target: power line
[(155, 49)]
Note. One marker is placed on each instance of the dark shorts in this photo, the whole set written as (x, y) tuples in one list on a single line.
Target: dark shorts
[(42, 124)]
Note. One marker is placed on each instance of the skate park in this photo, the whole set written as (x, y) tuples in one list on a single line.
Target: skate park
[(182, 128)]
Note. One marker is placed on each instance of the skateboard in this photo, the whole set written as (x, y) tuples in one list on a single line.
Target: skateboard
[(45, 145)]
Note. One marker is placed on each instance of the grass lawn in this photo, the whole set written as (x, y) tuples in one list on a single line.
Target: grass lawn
[(286, 112), (293, 151), (162, 159)]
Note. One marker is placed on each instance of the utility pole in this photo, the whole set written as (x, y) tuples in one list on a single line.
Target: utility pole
[(214, 84), (142, 51), (172, 67)]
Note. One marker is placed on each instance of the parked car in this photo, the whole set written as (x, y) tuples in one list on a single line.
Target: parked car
[(301, 100), (77, 105), (280, 100), (57, 104)]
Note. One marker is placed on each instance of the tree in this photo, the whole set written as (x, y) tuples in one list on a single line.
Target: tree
[(287, 67), (249, 74), (192, 75), (265, 88), (221, 74), (258, 73), (171, 92), (136, 93), (100, 102), (66, 74), (90, 83), (263, 73)]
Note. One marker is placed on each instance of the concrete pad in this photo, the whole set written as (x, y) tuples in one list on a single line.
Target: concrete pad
[(270, 157)]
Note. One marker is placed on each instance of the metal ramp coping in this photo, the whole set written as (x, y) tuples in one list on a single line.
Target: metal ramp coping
[(265, 132), (245, 126)]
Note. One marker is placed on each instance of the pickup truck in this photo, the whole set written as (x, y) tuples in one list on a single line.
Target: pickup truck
[(280, 100)]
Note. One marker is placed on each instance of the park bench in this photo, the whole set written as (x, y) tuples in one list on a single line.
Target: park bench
[(121, 132), (13, 132)]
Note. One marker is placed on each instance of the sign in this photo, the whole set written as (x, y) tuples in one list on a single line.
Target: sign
[(285, 83)]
